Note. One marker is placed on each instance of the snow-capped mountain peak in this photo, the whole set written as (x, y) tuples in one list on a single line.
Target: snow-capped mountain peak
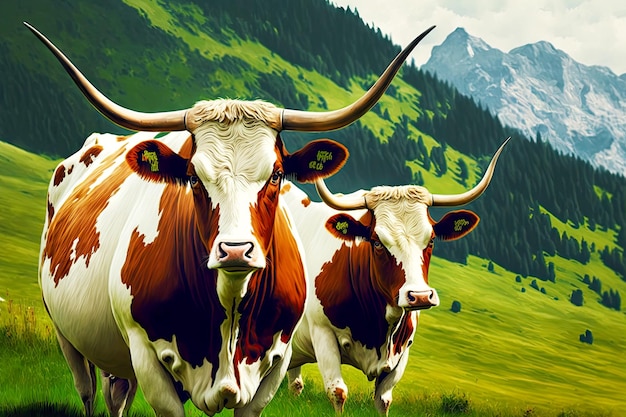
[(579, 109)]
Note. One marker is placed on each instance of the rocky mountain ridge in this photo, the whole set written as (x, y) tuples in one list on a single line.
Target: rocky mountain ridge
[(579, 109)]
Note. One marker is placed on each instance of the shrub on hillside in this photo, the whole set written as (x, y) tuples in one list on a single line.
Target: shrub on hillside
[(612, 299), (577, 297), (456, 306), (534, 284), (586, 337), (596, 285)]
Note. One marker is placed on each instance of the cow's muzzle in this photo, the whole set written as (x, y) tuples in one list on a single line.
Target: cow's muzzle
[(237, 257), (422, 300)]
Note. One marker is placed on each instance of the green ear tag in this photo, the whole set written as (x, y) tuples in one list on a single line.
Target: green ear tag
[(342, 227), (152, 158), (321, 158)]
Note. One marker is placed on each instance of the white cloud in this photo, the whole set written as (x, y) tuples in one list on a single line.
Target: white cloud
[(591, 32)]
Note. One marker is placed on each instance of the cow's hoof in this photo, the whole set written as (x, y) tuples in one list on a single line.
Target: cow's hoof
[(296, 386), (338, 397)]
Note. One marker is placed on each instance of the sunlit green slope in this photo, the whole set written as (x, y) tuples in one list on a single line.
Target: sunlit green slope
[(24, 181), (515, 340), (510, 343)]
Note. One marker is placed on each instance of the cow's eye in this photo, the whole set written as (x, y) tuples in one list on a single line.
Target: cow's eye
[(276, 177), (193, 180), (377, 244)]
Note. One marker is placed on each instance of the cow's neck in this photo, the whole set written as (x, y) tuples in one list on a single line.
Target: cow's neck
[(274, 303), (349, 299), (260, 307)]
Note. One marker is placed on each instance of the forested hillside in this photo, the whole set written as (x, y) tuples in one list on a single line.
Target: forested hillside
[(157, 70), (153, 55), (531, 312), (535, 177)]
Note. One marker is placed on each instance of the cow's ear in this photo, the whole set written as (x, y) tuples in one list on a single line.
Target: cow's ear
[(455, 224), (155, 161), (318, 159), (344, 226)]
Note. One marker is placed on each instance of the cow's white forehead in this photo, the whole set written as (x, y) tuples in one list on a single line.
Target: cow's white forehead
[(234, 162), (401, 214), (234, 155), (384, 193), (229, 111)]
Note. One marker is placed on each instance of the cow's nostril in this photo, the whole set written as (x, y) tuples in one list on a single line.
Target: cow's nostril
[(222, 253), (248, 253)]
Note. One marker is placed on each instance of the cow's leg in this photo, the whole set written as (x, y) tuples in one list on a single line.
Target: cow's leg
[(155, 382), (329, 362), (296, 383), (83, 372), (268, 387), (118, 393), (383, 394)]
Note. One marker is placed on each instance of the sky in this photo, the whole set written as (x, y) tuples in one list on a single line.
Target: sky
[(592, 32)]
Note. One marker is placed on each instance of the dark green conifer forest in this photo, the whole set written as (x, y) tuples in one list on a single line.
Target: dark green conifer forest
[(531, 177)]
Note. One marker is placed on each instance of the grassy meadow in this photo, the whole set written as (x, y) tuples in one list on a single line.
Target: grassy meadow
[(512, 350), (483, 360), (45, 387)]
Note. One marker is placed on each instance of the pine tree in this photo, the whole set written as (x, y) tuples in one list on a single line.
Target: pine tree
[(426, 162), (551, 272), (596, 285), (606, 299), (617, 301), (421, 148), (585, 254), (418, 179), (463, 171)]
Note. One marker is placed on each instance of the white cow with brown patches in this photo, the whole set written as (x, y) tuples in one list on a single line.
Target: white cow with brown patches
[(368, 256)]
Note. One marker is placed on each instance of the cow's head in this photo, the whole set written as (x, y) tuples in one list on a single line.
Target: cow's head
[(400, 233), (235, 173), (237, 160)]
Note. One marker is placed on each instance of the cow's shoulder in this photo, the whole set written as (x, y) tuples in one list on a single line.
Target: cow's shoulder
[(98, 157)]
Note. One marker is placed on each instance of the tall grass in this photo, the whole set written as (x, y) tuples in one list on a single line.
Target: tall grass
[(35, 381), (23, 327)]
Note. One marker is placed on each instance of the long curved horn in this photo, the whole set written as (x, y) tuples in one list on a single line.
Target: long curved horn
[(339, 202), (474, 193), (336, 119), (130, 119)]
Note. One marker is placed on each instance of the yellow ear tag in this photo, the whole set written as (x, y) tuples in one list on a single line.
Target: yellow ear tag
[(460, 224), (152, 158)]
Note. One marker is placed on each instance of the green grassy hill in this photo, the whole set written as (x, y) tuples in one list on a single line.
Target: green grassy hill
[(515, 340), (505, 346), (24, 181)]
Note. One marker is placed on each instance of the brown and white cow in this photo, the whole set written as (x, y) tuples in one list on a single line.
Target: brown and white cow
[(171, 262), (368, 279)]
